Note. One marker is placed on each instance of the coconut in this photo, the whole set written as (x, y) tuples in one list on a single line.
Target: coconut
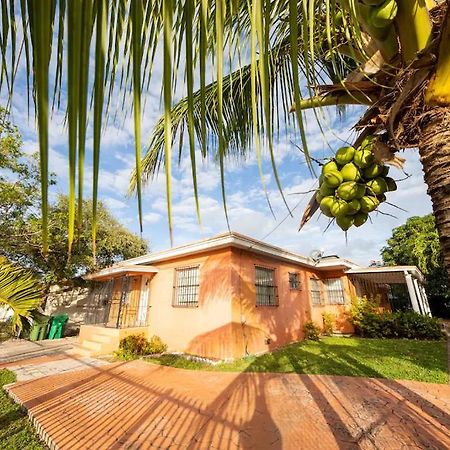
[(377, 186), (391, 184), (360, 219), (369, 203), (354, 206), (373, 171), (361, 188), (381, 197), (350, 172), (347, 190), (363, 157), (344, 155), (319, 196), (385, 171), (344, 222), (325, 206), (329, 166), (326, 190), (339, 208), (366, 144), (383, 15), (333, 178)]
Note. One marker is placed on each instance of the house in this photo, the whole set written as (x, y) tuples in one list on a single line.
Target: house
[(231, 295)]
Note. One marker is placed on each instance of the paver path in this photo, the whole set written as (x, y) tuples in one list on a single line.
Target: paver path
[(136, 405)]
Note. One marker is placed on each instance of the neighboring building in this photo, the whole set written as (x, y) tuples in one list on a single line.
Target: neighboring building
[(231, 295)]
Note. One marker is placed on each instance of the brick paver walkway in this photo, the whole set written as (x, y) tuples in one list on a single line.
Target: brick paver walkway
[(136, 405)]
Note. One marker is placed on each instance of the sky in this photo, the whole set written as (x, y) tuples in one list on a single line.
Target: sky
[(248, 210)]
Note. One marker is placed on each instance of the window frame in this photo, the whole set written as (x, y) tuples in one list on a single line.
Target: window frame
[(298, 281), (175, 301), (333, 293), (319, 290), (274, 287)]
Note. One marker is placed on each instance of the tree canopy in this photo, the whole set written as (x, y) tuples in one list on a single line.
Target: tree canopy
[(21, 222), (417, 243)]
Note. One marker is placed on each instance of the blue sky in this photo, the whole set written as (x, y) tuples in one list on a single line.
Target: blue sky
[(248, 210)]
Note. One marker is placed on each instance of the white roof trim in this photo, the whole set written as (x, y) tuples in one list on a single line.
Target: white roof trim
[(115, 271), (244, 242), (413, 270)]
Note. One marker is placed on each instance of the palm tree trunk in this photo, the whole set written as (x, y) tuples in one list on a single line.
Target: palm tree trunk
[(434, 149)]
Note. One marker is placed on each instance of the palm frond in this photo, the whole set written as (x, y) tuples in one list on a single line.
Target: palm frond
[(19, 291)]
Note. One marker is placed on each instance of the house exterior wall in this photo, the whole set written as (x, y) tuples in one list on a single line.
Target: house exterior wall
[(205, 330)]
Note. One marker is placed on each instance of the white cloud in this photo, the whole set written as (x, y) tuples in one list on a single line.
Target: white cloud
[(152, 217)]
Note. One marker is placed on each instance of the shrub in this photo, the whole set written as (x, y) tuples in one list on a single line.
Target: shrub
[(328, 323), (136, 345), (156, 345), (370, 322), (312, 331)]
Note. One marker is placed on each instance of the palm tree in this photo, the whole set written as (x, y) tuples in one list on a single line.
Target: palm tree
[(20, 293), (269, 57)]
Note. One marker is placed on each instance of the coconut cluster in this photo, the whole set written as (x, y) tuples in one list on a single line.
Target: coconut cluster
[(352, 185)]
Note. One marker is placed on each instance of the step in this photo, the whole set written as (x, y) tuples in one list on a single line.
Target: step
[(102, 338), (92, 345)]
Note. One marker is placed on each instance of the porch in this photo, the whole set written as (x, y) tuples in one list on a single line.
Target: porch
[(120, 306), (403, 286)]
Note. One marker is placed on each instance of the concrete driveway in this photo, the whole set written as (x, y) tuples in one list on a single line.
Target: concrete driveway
[(137, 405)]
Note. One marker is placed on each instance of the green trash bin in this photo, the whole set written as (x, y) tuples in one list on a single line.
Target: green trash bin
[(57, 326), (39, 328)]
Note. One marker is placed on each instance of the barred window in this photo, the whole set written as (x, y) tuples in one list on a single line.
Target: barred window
[(294, 280), (186, 286), (266, 291), (335, 291), (316, 293)]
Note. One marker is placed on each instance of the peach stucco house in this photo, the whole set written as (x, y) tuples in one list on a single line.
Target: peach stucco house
[(231, 295)]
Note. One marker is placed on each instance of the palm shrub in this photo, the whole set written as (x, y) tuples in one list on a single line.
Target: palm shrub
[(20, 293), (270, 57)]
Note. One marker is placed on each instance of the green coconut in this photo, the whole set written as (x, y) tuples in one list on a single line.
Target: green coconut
[(369, 203), (385, 171), (361, 188), (377, 186), (320, 179), (326, 190), (354, 206), (319, 196), (325, 206), (347, 190), (391, 184), (366, 144), (329, 167), (344, 155), (339, 208), (344, 222), (383, 15), (373, 171), (350, 172), (363, 158), (333, 178), (360, 218)]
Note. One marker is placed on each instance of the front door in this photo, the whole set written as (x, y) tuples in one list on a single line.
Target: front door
[(143, 302)]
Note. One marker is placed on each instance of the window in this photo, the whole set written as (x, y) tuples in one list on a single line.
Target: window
[(265, 287), (186, 286), (316, 294), (335, 291), (294, 281)]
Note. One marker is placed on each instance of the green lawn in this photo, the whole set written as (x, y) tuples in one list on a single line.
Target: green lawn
[(16, 431), (400, 359)]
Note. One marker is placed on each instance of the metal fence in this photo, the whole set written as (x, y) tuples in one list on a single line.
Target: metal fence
[(113, 304)]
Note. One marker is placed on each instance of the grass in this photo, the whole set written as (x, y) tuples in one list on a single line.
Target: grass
[(16, 431), (400, 359)]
